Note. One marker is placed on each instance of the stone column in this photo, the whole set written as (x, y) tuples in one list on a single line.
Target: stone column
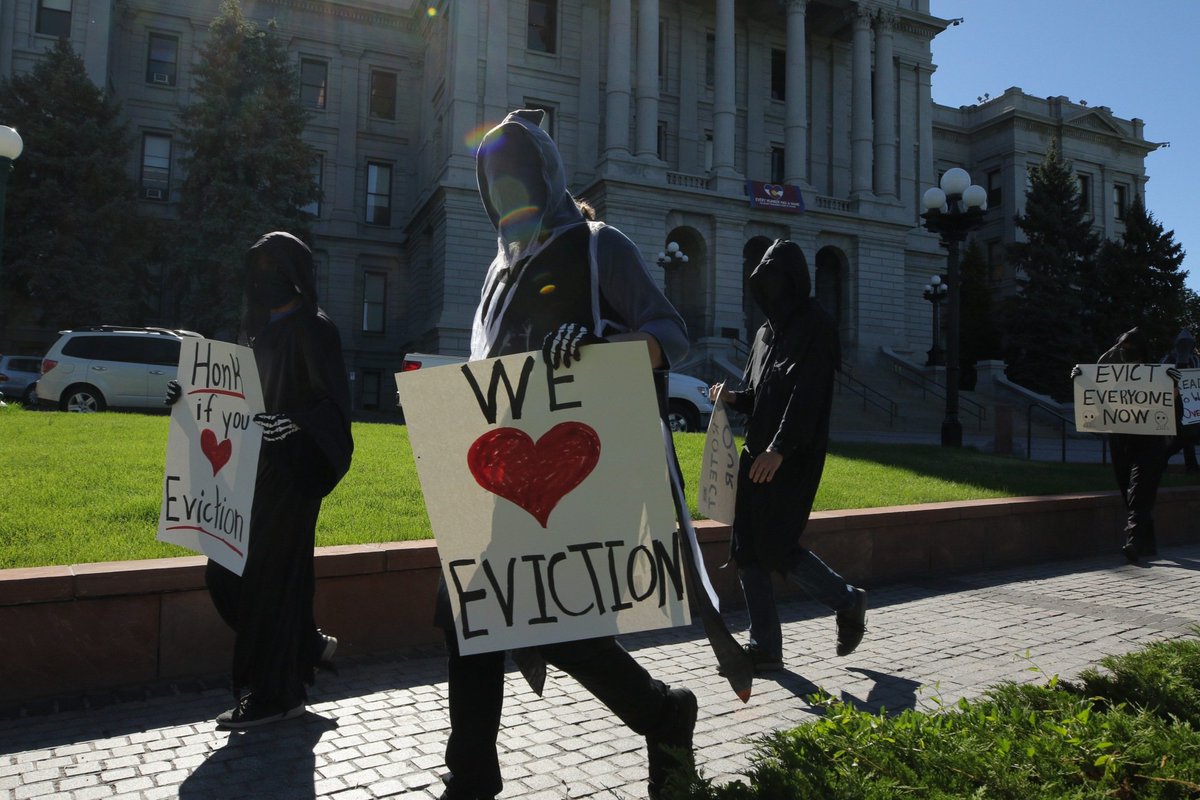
[(926, 177), (885, 107), (724, 99), (861, 143), (620, 34), (647, 79), (495, 86), (796, 125)]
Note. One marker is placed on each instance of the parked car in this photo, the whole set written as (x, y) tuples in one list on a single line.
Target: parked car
[(19, 376), (688, 406), (107, 366)]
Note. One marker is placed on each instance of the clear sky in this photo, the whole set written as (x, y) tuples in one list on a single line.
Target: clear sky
[(1141, 59)]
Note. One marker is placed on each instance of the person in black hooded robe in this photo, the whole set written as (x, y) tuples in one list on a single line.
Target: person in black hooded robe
[(788, 399), (1138, 459), (306, 449)]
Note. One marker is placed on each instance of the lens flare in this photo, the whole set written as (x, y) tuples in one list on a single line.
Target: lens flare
[(431, 12), (474, 137)]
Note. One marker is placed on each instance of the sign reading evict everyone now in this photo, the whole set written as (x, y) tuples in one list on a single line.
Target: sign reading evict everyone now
[(547, 493)]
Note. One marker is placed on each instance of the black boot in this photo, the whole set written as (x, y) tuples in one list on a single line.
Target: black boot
[(670, 747)]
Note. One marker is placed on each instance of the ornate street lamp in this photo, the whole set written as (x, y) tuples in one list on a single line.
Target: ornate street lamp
[(10, 148), (953, 211), (935, 293), (672, 256)]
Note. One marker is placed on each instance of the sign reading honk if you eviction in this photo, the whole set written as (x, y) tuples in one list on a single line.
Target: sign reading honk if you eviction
[(212, 452), (547, 493), (1125, 398)]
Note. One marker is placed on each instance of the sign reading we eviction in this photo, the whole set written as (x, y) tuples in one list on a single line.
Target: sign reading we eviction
[(212, 452), (1189, 396), (1125, 398), (547, 493)]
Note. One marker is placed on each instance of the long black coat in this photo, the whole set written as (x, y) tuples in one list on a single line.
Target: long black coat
[(789, 396)]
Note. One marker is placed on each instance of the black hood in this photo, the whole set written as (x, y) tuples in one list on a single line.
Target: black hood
[(780, 283), (292, 260), (1131, 347)]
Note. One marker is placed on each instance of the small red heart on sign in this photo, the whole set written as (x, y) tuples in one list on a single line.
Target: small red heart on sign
[(508, 463), (217, 454)]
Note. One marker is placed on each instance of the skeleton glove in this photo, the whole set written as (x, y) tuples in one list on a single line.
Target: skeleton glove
[(174, 392), (276, 427), (562, 345)]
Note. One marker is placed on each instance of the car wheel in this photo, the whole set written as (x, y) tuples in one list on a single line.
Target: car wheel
[(30, 398), (682, 418), (82, 398)]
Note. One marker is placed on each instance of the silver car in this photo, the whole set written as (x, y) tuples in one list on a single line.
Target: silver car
[(19, 376)]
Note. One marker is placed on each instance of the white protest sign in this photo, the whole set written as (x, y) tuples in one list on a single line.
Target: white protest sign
[(719, 470), (1189, 395), (212, 452), (1125, 398), (548, 495)]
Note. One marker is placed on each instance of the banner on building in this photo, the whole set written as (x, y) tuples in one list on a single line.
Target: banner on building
[(719, 469), (775, 196), (547, 493), (212, 452), (1125, 398)]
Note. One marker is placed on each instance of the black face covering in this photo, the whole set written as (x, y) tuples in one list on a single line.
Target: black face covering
[(270, 289)]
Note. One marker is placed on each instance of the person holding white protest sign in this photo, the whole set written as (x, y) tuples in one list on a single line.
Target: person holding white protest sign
[(788, 398), (1183, 356), (1138, 459), (306, 449), (559, 283)]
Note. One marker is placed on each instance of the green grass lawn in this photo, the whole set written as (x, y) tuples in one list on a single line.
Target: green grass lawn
[(80, 488)]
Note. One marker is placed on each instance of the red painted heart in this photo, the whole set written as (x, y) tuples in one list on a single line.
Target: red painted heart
[(217, 454), (508, 463)]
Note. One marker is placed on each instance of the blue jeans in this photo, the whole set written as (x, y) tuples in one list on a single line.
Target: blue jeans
[(806, 571)]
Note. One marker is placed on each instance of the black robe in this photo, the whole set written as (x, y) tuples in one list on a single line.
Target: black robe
[(789, 396), (303, 376)]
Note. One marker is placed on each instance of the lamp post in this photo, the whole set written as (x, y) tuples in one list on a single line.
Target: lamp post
[(935, 293), (671, 256), (10, 148), (952, 211)]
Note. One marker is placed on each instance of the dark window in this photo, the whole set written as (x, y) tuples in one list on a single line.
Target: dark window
[(162, 59), (1119, 201), (542, 34), (708, 151), (156, 167), (777, 164), (710, 59), (383, 94), (662, 48), (54, 18), (547, 123), (1085, 194), (995, 194), (158, 351), (995, 260), (661, 141), (379, 193), (314, 79), (317, 172), (25, 365), (778, 74), (370, 389), (374, 301)]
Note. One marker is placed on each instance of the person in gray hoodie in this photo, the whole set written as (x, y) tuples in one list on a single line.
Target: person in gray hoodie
[(558, 283), (1183, 356)]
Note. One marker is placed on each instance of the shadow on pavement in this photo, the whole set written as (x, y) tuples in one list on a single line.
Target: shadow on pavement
[(272, 761)]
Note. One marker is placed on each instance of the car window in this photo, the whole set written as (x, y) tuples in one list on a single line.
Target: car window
[(161, 351), (25, 364), (86, 347)]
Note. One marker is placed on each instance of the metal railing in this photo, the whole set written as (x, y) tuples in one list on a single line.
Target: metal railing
[(870, 395), (1064, 421), (906, 371)]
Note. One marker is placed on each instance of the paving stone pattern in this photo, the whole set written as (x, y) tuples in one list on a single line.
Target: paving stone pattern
[(378, 728)]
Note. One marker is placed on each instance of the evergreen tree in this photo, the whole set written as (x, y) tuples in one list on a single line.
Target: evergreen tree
[(978, 337), (248, 171), (1050, 323), (1141, 282), (74, 251)]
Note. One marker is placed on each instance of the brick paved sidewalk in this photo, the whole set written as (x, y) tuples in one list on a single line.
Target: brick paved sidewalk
[(378, 729)]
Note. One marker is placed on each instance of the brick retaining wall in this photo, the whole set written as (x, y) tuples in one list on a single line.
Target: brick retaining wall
[(89, 627)]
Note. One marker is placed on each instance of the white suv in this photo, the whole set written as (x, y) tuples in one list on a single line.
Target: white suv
[(91, 369)]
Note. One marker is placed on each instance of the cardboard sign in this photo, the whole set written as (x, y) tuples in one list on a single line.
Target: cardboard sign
[(547, 493), (1189, 396), (212, 452), (1125, 398), (719, 470)]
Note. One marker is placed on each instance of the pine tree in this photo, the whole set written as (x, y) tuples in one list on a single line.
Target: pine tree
[(978, 337), (75, 251), (1141, 282), (1051, 322), (248, 170)]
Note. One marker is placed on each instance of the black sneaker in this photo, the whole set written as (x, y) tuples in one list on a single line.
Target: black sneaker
[(328, 646), (761, 659), (249, 714), (670, 748), (852, 624), (1130, 552)]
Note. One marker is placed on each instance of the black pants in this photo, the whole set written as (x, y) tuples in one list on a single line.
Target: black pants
[(1138, 463), (476, 689)]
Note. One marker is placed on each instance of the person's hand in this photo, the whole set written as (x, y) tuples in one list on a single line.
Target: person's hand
[(764, 466), (174, 392), (276, 427), (1075, 372), (1174, 374), (562, 345)]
